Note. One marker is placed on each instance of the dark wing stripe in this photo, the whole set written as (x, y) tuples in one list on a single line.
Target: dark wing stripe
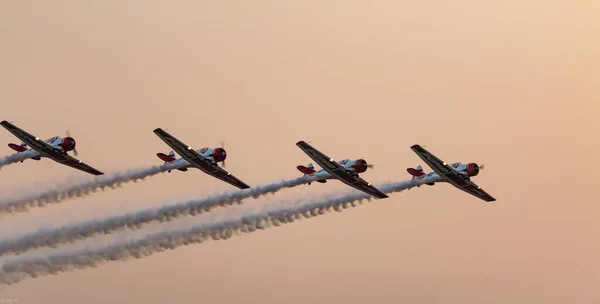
[(450, 174), (47, 150), (473, 189), (198, 161), (339, 172)]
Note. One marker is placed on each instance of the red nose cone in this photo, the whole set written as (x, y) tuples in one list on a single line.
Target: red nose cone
[(360, 166), (219, 154), (68, 144), (472, 169)]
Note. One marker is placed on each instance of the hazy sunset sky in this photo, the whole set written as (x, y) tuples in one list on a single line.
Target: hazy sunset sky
[(510, 84)]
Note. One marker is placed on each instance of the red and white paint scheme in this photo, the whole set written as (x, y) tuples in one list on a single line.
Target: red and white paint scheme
[(352, 166), (213, 155), (346, 170), (64, 144), (468, 170), (205, 159), (54, 148), (321, 175), (457, 174)]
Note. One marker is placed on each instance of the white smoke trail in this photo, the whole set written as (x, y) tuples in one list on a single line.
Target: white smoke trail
[(11, 159), (14, 271), (72, 233), (57, 195)]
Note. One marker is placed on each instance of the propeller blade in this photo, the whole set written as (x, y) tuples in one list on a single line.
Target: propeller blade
[(223, 147), (371, 166), (482, 166)]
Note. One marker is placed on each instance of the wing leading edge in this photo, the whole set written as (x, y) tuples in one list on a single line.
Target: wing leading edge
[(198, 161), (339, 172), (49, 151), (450, 175)]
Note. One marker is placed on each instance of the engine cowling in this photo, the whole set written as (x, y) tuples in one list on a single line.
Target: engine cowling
[(219, 154), (67, 144), (360, 166), (472, 169)]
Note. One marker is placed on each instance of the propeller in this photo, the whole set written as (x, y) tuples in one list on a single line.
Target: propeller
[(223, 147), (482, 166), (68, 133), (371, 166)]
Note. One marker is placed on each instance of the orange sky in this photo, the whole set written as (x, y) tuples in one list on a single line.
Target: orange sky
[(512, 85)]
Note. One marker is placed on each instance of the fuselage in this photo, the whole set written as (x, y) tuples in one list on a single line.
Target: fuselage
[(353, 166), (321, 174), (429, 178), (211, 155), (466, 170), (62, 144)]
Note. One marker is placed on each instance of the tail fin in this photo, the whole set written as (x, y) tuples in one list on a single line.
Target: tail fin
[(307, 170), (167, 158), (21, 148), (418, 172)]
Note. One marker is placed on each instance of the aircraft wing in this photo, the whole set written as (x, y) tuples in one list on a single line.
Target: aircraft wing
[(198, 161), (339, 172), (48, 150), (451, 175), (475, 190)]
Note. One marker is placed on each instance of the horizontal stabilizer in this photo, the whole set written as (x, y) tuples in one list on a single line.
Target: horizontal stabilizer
[(17, 148), (415, 172), (305, 170), (165, 157)]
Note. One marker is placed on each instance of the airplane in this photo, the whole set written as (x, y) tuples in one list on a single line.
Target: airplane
[(457, 174), (346, 170), (205, 159), (54, 148)]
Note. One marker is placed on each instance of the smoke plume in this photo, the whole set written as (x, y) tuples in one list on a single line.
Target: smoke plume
[(11, 159), (72, 233), (101, 183), (14, 271)]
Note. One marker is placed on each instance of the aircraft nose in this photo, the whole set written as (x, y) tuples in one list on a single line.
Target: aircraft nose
[(363, 164)]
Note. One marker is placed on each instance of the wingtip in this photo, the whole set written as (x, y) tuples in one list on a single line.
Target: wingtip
[(157, 130), (415, 146), (300, 142)]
